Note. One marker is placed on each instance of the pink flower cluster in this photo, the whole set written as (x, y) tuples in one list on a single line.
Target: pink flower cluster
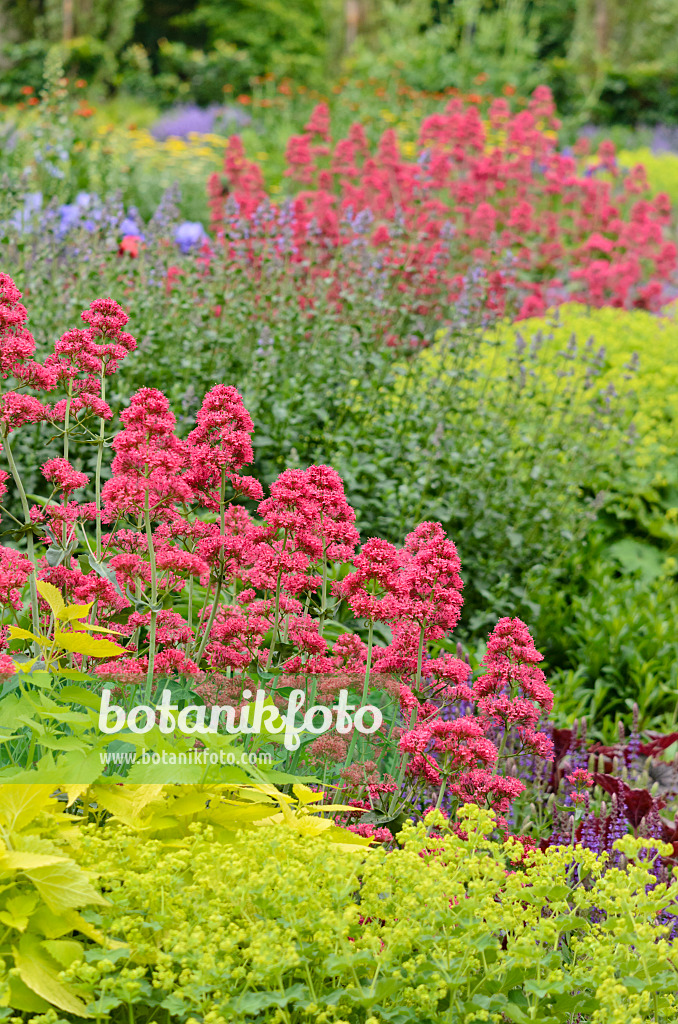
[(462, 751), (488, 192), (197, 585)]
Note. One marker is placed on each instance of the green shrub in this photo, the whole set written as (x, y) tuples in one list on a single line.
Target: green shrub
[(638, 356), (662, 168), (448, 929), (433, 47)]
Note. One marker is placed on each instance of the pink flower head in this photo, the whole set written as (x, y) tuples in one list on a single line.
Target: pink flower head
[(150, 460), (580, 779), (99, 348), (64, 477), (220, 443), (480, 786), (105, 316), (311, 505), (7, 668), (430, 584), (16, 410), (16, 342), (15, 570), (372, 590), (513, 691)]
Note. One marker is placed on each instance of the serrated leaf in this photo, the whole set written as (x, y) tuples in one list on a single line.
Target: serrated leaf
[(64, 886), (74, 611), (95, 629), (20, 805), (81, 643), (305, 795), (17, 633), (24, 860), (25, 666), (40, 973), (53, 597), (79, 695)]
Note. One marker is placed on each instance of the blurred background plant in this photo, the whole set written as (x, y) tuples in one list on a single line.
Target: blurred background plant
[(606, 61)]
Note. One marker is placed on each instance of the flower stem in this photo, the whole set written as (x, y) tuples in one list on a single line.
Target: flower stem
[(29, 540), (413, 718), (154, 599), (366, 686), (100, 457)]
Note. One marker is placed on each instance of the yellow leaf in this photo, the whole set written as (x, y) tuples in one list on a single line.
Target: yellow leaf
[(52, 596), (21, 860), (20, 805), (95, 629), (73, 791), (40, 972), (17, 633), (64, 886), (128, 803), (305, 794), (25, 666), (74, 611), (80, 643), (64, 951), (319, 808)]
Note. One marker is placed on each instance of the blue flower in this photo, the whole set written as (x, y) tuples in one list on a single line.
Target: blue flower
[(189, 234), (130, 227)]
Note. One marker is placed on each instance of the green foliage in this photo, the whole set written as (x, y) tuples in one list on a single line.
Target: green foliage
[(497, 460), (462, 932), (611, 628), (199, 74), (285, 39), (466, 40), (661, 168), (644, 498), (42, 891)]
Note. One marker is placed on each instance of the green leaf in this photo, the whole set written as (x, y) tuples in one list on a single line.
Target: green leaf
[(79, 695)]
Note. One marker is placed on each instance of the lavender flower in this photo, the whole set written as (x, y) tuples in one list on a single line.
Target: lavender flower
[(190, 234)]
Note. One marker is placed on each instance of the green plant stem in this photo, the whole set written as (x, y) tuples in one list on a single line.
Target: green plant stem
[(323, 599), (413, 717), (154, 599), (97, 479), (276, 613), (215, 604), (502, 748), (35, 615), (366, 686)]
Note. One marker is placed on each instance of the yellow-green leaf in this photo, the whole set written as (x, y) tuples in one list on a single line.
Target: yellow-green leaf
[(25, 666), (17, 633), (64, 886), (74, 611), (23, 860), (81, 643), (50, 593), (305, 794), (95, 629), (40, 972), (20, 805)]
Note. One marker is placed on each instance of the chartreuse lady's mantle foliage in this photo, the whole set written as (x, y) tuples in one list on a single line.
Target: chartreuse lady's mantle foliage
[(450, 928)]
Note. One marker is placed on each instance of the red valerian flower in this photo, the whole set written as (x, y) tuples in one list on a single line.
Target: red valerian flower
[(64, 477)]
